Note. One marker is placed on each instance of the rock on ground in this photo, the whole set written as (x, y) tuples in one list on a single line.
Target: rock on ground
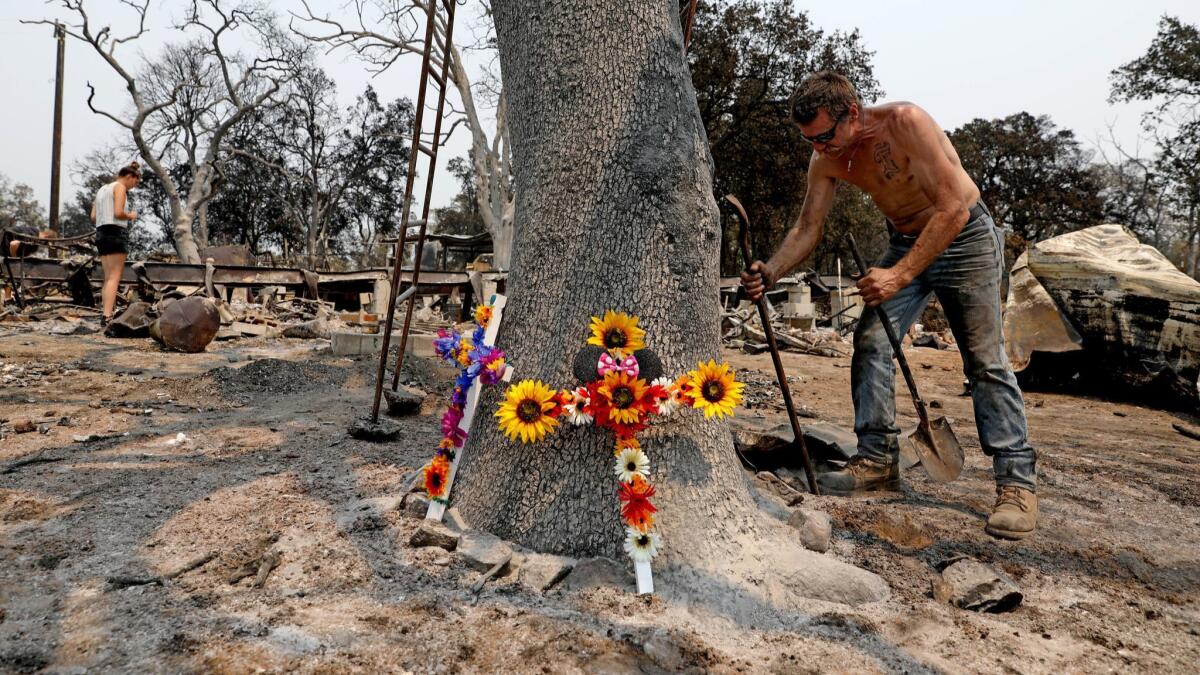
[(541, 571), (483, 551), (598, 572), (969, 584), (435, 534), (403, 401), (814, 528)]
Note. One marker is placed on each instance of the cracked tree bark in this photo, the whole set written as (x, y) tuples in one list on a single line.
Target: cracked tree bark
[(615, 210)]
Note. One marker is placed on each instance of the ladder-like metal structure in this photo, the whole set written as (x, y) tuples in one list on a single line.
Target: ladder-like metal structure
[(442, 40)]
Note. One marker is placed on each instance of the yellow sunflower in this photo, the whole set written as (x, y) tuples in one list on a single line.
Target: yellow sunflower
[(617, 332), (523, 414), (713, 389), (624, 395), (483, 315)]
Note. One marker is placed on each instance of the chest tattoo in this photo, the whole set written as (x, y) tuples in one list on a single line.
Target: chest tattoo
[(883, 157)]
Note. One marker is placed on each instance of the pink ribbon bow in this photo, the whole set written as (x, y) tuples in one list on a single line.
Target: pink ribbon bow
[(608, 364)]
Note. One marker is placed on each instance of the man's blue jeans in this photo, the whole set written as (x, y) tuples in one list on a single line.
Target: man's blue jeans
[(966, 279)]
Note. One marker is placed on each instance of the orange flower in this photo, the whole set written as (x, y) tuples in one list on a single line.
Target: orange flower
[(627, 442), (437, 474)]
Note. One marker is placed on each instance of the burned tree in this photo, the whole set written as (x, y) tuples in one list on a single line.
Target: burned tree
[(615, 211), (187, 106), (384, 30)]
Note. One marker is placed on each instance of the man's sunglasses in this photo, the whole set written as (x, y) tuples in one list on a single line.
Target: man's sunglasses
[(826, 136)]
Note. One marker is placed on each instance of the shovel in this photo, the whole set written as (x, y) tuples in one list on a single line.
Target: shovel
[(780, 375), (934, 440)]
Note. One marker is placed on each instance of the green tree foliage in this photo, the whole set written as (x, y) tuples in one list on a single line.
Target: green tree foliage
[(1035, 177), (19, 209), (300, 175), (1168, 76), (462, 216), (747, 57)]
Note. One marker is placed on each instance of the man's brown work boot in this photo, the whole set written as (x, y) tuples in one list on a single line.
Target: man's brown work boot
[(1015, 514), (860, 475)]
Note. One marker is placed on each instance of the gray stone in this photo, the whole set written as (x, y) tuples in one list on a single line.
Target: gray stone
[(454, 519), (416, 504), (404, 401), (539, 572), (663, 650), (825, 441), (483, 551), (345, 343), (435, 534), (969, 584), (365, 429), (814, 528), (599, 572)]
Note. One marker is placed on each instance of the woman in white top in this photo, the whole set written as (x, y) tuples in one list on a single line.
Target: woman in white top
[(112, 231)]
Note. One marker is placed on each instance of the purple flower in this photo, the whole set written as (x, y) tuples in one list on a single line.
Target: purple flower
[(446, 343)]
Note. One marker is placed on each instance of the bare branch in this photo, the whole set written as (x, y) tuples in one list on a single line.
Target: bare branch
[(102, 113)]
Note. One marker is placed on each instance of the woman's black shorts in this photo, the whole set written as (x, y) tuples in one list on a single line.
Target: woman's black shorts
[(112, 239)]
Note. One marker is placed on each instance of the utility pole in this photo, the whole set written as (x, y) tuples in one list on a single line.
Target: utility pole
[(60, 34)]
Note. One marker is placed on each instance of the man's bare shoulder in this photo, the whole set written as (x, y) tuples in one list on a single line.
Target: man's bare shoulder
[(903, 117)]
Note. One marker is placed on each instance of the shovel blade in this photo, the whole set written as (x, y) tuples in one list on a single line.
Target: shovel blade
[(939, 450)]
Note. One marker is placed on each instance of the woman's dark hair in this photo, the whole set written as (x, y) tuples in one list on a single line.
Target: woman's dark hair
[(134, 169)]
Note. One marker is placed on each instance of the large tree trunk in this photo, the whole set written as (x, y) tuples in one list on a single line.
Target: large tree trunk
[(615, 210)]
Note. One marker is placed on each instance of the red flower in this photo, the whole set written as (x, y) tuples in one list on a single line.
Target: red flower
[(560, 399), (637, 510)]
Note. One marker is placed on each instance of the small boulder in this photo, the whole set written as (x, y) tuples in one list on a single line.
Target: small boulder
[(434, 534), (404, 401), (416, 504), (598, 572), (663, 650), (540, 571), (454, 518), (483, 551), (24, 426), (814, 527), (969, 584)]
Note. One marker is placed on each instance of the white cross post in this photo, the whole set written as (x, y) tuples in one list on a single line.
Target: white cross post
[(438, 509)]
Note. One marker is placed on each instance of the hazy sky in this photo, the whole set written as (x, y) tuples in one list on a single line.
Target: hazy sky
[(959, 60)]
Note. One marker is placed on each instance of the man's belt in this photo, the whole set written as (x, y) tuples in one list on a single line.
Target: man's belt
[(977, 211)]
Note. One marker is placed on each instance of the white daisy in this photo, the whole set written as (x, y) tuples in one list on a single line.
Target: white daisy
[(641, 546), (632, 462), (667, 406), (574, 409)]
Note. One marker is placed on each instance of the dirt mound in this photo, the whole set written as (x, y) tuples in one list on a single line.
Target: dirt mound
[(275, 376), (432, 375), (21, 505)]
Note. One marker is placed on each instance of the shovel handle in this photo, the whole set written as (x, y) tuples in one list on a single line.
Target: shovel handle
[(765, 318), (891, 333)]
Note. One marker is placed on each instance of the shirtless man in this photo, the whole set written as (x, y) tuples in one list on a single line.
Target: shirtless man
[(943, 242)]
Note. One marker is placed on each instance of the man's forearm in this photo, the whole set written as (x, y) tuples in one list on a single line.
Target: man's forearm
[(799, 243), (937, 235)]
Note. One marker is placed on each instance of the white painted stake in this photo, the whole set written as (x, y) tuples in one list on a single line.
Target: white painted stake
[(437, 509), (645, 579)]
